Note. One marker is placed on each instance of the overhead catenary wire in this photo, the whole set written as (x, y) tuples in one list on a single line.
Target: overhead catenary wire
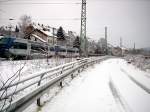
[(37, 3), (1, 1), (48, 19)]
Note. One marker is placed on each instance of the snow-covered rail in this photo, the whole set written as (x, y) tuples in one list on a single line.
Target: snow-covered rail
[(40, 83)]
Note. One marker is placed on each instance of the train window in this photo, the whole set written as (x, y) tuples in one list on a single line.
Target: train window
[(38, 47), (18, 45), (35, 47), (52, 48), (3, 40)]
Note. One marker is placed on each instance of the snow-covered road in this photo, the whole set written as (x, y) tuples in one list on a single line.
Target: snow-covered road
[(88, 93), (111, 86)]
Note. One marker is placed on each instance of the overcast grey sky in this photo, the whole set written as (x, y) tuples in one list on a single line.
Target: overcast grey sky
[(129, 19)]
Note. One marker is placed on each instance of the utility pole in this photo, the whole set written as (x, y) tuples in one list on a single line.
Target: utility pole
[(83, 28), (121, 45), (106, 40), (120, 42), (53, 35), (134, 51)]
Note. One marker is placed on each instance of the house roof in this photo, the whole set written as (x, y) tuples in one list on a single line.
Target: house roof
[(38, 38), (48, 32)]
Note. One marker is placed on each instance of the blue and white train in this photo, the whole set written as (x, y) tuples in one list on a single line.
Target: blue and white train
[(17, 48)]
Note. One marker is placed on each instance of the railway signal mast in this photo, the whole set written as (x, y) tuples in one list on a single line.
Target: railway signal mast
[(83, 28)]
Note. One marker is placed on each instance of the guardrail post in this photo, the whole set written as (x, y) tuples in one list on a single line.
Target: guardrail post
[(61, 84), (72, 76), (72, 65), (79, 71), (62, 70), (83, 67), (39, 83)]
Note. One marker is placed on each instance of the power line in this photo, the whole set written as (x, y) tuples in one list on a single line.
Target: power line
[(48, 19), (57, 19), (38, 3), (26, 2), (2, 1)]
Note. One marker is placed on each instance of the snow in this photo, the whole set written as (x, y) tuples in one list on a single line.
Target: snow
[(141, 77), (135, 97), (140, 62), (9, 68), (47, 33), (38, 38), (23, 69), (90, 91)]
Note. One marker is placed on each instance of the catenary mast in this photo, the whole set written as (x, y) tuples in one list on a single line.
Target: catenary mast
[(83, 29)]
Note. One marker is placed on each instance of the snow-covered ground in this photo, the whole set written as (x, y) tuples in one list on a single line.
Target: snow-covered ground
[(12, 71), (88, 92), (28, 67), (130, 82), (140, 62), (107, 87), (111, 86)]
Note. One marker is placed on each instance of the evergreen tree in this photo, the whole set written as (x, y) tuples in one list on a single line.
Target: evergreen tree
[(16, 29), (60, 33), (76, 42)]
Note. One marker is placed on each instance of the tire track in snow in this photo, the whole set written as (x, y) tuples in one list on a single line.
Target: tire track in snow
[(146, 89), (118, 98)]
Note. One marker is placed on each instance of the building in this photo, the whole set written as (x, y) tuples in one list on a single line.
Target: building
[(67, 40), (8, 31), (103, 45), (48, 34), (41, 33)]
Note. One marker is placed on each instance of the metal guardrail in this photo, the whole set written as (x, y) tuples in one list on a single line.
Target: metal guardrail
[(40, 84)]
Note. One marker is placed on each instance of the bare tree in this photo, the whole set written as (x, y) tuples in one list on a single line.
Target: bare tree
[(25, 21)]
